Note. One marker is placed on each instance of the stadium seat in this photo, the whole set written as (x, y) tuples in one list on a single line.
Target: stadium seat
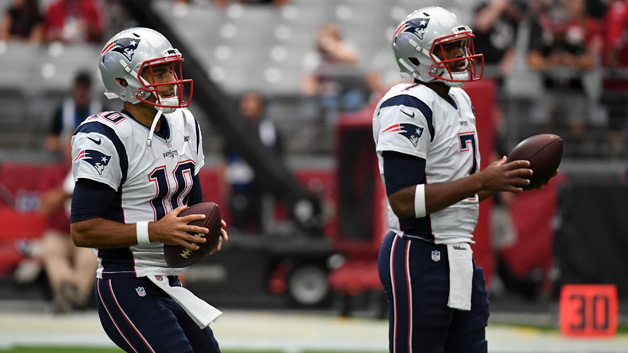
[(19, 65)]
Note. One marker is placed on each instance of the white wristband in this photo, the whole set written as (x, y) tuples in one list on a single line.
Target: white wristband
[(141, 228), (419, 201)]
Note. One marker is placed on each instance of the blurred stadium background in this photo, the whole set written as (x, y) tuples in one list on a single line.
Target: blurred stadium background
[(322, 225)]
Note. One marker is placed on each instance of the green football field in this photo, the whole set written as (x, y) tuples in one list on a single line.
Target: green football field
[(74, 349), (57, 349), (24, 349), (244, 331)]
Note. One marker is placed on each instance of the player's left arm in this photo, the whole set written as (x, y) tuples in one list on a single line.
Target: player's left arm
[(196, 194), (90, 226), (485, 194)]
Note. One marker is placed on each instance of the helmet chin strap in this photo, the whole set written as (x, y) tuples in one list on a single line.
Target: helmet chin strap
[(168, 110), (151, 132), (172, 103), (454, 78), (459, 78)]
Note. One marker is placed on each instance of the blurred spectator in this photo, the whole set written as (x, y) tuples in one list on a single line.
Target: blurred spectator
[(74, 21), (336, 66), (221, 3), (597, 8), (496, 27), (276, 3), (616, 34), (616, 77), (22, 22), (117, 16), (225, 3), (564, 37), (565, 46), (244, 190), (72, 112), (334, 83), (70, 269)]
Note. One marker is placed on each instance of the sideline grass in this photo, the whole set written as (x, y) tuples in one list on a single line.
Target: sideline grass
[(60, 349)]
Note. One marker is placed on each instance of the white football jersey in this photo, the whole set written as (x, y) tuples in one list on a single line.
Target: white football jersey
[(413, 119), (111, 148)]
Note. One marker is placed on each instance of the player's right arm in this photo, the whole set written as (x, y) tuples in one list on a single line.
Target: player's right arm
[(89, 227)]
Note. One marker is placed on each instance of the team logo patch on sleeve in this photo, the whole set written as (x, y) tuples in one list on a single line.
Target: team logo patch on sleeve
[(409, 131), (97, 159)]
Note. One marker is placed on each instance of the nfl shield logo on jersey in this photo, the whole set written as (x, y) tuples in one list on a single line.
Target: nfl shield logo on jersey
[(435, 255), (140, 291)]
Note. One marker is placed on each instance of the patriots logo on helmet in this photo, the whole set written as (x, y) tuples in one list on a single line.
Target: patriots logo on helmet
[(97, 159), (417, 26), (409, 131), (124, 46)]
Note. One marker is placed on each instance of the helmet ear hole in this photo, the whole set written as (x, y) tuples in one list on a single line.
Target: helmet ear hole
[(122, 82), (414, 61)]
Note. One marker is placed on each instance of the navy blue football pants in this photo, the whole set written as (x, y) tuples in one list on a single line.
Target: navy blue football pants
[(415, 276), (139, 317)]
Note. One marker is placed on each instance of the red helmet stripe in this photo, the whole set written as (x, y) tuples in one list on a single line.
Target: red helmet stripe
[(107, 48), (400, 29)]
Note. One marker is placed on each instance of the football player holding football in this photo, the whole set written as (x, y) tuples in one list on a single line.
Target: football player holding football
[(427, 149), (136, 170)]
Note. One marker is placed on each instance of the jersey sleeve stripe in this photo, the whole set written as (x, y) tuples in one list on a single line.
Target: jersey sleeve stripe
[(111, 135), (413, 102)]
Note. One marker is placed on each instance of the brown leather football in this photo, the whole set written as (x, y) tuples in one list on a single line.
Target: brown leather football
[(544, 153), (179, 256)]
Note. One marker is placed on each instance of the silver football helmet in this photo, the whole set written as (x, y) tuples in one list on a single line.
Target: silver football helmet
[(133, 50), (423, 32)]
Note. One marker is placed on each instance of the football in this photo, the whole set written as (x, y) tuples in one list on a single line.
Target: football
[(179, 256), (544, 153)]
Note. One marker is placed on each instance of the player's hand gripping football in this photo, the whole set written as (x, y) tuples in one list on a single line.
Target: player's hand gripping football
[(501, 176), (223, 235), (548, 181), (175, 230)]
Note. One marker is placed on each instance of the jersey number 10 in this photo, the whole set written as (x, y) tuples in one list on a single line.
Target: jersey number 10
[(165, 200)]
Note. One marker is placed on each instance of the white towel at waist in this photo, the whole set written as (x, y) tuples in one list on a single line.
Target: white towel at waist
[(460, 276), (200, 311)]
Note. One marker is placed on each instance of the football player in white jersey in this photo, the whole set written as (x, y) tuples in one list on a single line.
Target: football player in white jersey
[(136, 170), (427, 149)]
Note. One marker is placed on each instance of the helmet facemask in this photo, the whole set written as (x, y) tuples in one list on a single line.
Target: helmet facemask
[(154, 69), (445, 69), (164, 72)]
